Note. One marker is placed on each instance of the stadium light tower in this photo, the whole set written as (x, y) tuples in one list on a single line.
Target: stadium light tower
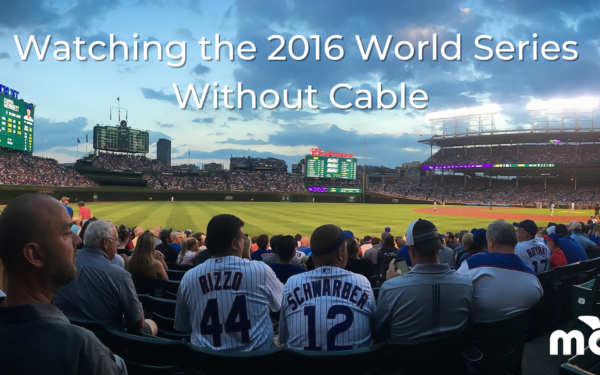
[(463, 121), (563, 114)]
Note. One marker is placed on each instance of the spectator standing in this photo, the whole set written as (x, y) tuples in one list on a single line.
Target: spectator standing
[(84, 212), (65, 202), (386, 232)]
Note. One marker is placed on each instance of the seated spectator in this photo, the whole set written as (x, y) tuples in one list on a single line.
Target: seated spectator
[(371, 252), (189, 250), (262, 252), (124, 240), (103, 291), (535, 254), (590, 248), (450, 242), (477, 246), (314, 299), (39, 260), (460, 248), (571, 248), (145, 261), (165, 247), (366, 245), (177, 239), (387, 253), (446, 254), (404, 253), (286, 251), (557, 259), (431, 299), (136, 233), (357, 265), (230, 290), (304, 245), (502, 283)]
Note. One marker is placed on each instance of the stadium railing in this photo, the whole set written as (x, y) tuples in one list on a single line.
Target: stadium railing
[(501, 342)]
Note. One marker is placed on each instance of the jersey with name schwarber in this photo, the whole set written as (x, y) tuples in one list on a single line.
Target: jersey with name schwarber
[(225, 303), (535, 254), (326, 309)]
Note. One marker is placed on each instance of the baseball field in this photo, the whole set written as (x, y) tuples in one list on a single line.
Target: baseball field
[(303, 218)]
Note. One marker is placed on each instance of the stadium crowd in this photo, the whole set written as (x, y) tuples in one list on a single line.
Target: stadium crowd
[(215, 182), (130, 162), (430, 283), (19, 169)]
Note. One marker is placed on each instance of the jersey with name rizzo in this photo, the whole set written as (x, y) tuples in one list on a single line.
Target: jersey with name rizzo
[(225, 303), (327, 309), (535, 254)]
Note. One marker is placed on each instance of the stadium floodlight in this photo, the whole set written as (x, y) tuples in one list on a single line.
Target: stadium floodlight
[(557, 104), (462, 112)]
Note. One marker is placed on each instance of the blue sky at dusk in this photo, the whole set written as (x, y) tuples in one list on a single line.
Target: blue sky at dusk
[(72, 96)]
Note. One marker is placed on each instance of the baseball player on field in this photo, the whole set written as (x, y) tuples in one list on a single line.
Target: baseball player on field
[(329, 308), (225, 301), (552, 209)]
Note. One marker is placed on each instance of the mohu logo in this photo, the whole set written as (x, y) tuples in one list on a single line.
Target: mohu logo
[(593, 322)]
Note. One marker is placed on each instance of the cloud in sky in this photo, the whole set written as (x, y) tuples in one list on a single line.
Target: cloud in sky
[(146, 86)]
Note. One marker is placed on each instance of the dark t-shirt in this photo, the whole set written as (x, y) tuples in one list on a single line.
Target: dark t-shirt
[(38, 339), (168, 251), (201, 258), (385, 256), (285, 271), (362, 267)]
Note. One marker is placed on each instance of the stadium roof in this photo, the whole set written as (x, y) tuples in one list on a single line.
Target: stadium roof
[(525, 136)]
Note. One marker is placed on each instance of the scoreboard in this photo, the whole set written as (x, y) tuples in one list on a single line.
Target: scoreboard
[(16, 123), (320, 189), (330, 167), (121, 138)]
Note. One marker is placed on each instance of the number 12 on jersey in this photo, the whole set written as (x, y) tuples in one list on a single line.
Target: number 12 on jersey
[(341, 327), (237, 320)]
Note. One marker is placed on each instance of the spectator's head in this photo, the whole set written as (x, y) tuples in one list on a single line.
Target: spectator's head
[(225, 235), (501, 237), (102, 235), (37, 246), (254, 239), (526, 230), (387, 229), (400, 242), (479, 241), (177, 237), (286, 248), (188, 244), (367, 238), (275, 242), (188, 233), (352, 247), (298, 237), (376, 241), (123, 232), (138, 231), (199, 237), (140, 262), (551, 224), (65, 200), (449, 237), (81, 203), (328, 245), (576, 227), (423, 242), (389, 241), (467, 240), (561, 231), (156, 232), (262, 241), (165, 236), (461, 234), (304, 242), (551, 241)]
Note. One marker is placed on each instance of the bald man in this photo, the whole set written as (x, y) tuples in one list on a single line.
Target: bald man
[(38, 250)]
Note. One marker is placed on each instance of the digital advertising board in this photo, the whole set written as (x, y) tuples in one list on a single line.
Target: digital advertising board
[(16, 123)]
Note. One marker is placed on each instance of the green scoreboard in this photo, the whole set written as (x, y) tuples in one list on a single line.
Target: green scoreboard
[(16, 123), (121, 138), (330, 167)]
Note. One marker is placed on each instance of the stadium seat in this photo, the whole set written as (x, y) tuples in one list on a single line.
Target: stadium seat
[(145, 354), (543, 317), (160, 306), (166, 328), (586, 301), (357, 361), (440, 354), (566, 277), (213, 362), (585, 364), (91, 325), (179, 267), (589, 269), (175, 275), (156, 287), (502, 343)]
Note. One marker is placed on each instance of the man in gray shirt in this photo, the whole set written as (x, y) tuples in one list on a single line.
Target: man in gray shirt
[(38, 250), (429, 300), (103, 291)]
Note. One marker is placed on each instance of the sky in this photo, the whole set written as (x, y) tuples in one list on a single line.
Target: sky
[(73, 96)]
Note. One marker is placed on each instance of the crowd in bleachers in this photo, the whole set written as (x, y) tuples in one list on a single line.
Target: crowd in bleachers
[(374, 169), (19, 169), (215, 182), (555, 154), (131, 162), (250, 163), (452, 189), (174, 284)]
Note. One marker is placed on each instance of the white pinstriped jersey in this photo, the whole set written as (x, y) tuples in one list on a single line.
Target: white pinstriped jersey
[(225, 303), (535, 254), (326, 309)]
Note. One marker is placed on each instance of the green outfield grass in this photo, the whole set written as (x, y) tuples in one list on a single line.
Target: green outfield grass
[(292, 218)]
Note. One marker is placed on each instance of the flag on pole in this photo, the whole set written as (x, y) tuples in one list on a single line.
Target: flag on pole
[(118, 98), (78, 141)]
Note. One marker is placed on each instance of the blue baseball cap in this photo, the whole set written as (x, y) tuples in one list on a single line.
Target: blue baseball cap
[(328, 238), (480, 236)]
